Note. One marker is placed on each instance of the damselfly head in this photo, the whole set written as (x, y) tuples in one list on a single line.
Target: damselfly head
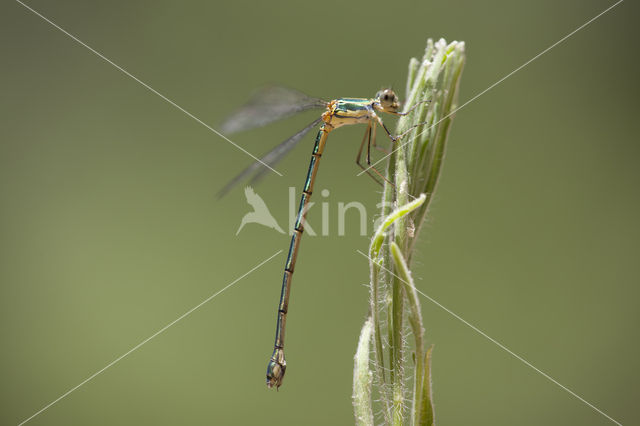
[(388, 100)]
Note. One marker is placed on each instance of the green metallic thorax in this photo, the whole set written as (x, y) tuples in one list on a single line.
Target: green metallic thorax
[(350, 111), (352, 104)]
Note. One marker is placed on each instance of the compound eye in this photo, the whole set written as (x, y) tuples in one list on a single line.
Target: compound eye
[(388, 99), (390, 96)]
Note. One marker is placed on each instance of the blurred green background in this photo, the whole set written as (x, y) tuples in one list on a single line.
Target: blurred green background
[(109, 228)]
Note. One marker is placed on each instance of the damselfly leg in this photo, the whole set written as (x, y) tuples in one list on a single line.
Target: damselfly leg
[(370, 138)]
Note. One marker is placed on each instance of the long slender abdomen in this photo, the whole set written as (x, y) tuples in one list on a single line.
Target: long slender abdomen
[(277, 364)]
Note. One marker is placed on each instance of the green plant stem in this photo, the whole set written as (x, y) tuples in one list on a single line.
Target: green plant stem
[(421, 388), (414, 167), (375, 265), (362, 379)]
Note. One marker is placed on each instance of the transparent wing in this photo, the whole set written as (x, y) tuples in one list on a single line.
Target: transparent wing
[(270, 158), (267, 105)]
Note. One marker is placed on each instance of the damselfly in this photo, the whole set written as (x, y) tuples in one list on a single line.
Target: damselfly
[(273, 103)]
